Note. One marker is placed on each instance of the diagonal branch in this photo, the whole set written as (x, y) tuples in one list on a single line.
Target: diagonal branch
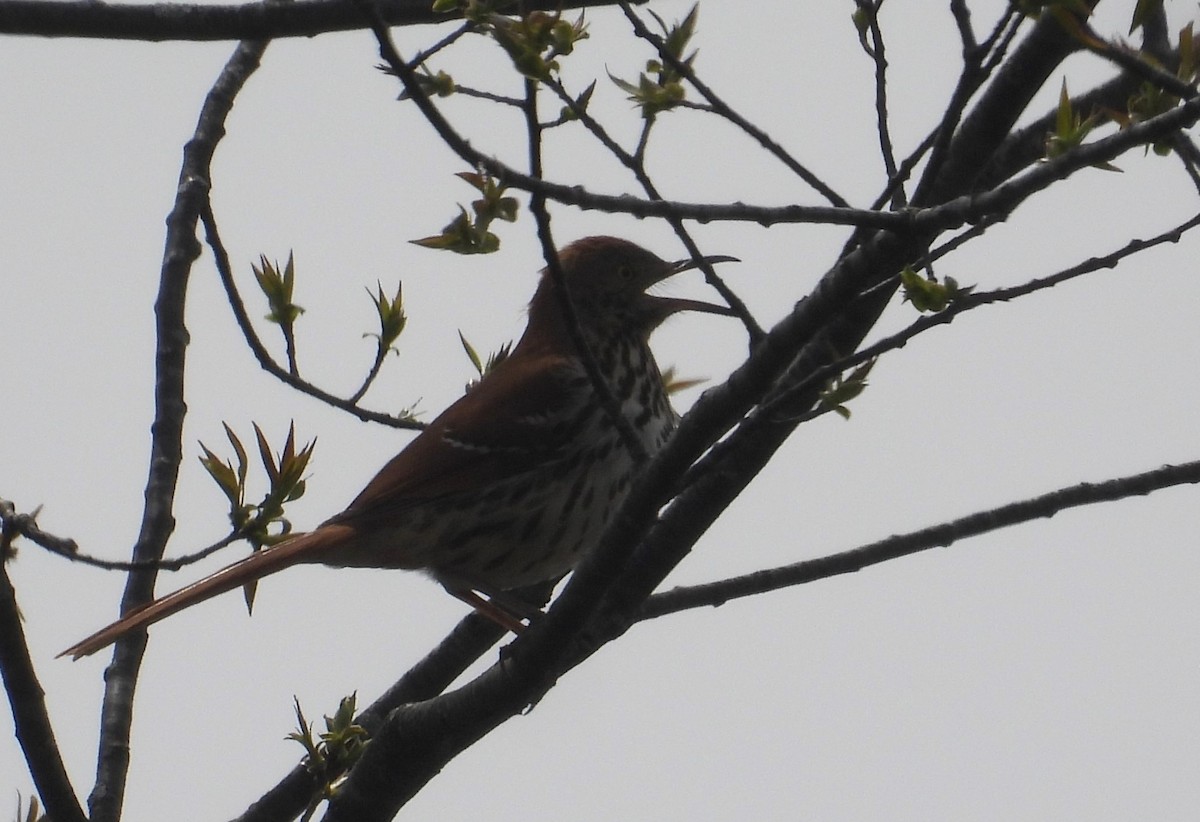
[(469, 640), (944, 535), (722, 109)]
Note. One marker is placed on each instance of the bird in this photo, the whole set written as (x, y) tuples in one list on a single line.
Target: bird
[(514, 482)]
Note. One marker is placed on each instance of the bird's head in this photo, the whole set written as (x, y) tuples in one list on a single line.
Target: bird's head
[(607, 279)]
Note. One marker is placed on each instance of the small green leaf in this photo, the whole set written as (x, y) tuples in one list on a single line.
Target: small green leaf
[(1070, 130), (470, 235), (339, 747), (392, 318), (264, 453), (842, 390), (664, 91), (929, 295), (238, 449), (482, 368), (861, 17), (472, 354), (278, 286), (535, 41)]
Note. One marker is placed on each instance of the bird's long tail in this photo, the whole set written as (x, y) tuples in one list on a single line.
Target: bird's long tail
[(310, 547)]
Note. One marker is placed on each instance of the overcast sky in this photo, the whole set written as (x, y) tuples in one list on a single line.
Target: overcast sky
[(1050, 671)]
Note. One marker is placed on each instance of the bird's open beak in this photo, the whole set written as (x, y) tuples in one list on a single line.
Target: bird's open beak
[(696, 262), (670, 305)]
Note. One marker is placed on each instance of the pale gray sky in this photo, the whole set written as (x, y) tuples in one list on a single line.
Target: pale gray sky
[(1050, 671)]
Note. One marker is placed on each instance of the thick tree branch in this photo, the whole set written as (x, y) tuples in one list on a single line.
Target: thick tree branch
[(825, 316), (201, 22), (991, 120)]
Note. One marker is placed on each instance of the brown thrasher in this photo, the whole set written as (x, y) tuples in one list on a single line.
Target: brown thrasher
[(514, 482)]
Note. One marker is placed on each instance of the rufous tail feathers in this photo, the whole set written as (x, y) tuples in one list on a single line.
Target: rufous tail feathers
[(308, 547)]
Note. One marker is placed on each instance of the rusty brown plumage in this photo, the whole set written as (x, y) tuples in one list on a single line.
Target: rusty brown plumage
[(513, 483)]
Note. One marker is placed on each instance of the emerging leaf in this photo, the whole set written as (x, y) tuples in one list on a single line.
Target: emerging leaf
[(262, 523), (929, 295), (535, 41), (392, 318), (470, 235), (482, 368), (339, 747), (842, 390), (278, 287), (664, 91)]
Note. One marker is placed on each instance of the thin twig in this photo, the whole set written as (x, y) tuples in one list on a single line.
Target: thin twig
[(879, 58), (1122, 56), (635, 164), (537, 206), (780, 404), (962, 19), (25, 525), (264, 358), (1189, 154), (720, 108)]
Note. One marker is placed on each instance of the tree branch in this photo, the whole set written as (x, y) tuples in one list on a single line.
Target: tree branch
[(939, 536), (417, 741), (166, 448), (203, 22), (722, 109), (31, 720), (265, 360), (469, 640)]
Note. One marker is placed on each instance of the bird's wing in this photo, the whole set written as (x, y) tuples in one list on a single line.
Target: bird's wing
[(514, 421)]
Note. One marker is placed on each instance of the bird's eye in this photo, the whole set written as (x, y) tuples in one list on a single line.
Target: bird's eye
[(625, 272)]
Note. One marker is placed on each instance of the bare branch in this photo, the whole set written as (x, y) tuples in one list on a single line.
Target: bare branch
[(879, 57), (637, 166), (954, 162), (182, 249), (30, 717), (198, 22), (782, 403), (25, 525), (939, 536), (719, 107)]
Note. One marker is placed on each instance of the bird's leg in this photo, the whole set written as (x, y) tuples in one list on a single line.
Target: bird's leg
[(493, 609)]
